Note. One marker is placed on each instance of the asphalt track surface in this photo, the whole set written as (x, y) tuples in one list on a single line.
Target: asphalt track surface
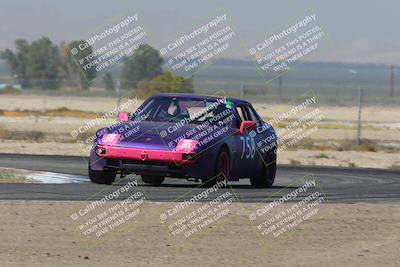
[(339, 185)]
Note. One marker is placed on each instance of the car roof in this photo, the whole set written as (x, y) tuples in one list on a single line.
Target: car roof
[(235, 101)]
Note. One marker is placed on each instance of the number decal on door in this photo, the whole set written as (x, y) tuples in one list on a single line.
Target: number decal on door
[(248, 144)]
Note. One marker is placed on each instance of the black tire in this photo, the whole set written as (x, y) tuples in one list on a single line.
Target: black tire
[(102, 177), (219, 174), (153, 179), (267, 175)]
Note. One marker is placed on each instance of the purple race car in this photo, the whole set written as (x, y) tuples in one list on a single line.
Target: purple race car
[(187, 136)]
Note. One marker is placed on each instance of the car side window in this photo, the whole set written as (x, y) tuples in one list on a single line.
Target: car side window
[(241, 115), (252, 115)]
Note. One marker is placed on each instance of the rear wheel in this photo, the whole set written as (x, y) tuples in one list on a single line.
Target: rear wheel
[(102, 177), (267, 176), (152, 179)]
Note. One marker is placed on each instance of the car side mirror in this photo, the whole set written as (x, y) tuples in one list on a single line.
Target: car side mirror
[(247, 125), (122, 117)]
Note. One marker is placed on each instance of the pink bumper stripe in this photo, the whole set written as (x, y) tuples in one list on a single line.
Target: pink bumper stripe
[(144, 155)]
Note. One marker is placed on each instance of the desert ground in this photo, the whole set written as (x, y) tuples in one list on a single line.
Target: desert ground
[(363, 235)]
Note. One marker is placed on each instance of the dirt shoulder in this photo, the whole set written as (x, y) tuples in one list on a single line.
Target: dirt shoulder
[(43, 234), (360, 159), (8, 175)]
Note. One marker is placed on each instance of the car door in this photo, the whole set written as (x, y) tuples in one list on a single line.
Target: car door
[(246, 148), (254, 156), (263, 136)]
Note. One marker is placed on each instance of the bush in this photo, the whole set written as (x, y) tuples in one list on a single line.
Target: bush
[(10, 91), (166, 82)]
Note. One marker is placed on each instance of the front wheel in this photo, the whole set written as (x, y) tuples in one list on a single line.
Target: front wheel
[(102, 177), (221, 169), (152, 179), (267, 176)]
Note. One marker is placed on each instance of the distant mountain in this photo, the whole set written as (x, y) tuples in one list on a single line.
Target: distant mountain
[(312, 64)]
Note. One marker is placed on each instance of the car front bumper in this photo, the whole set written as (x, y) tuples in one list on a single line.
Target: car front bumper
[(156, 162)]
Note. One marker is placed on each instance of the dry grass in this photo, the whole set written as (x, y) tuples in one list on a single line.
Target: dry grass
[(7, 176), (40, 136), (395, 166), (342, 145), (58, 112), (10, 91), (4, 133), (321, 156), (295, 162), (28, 135)]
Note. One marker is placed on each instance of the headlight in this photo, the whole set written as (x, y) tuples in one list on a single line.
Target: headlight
[(186, 145), (110, 139)]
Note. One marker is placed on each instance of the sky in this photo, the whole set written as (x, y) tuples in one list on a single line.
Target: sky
[(356, 31)]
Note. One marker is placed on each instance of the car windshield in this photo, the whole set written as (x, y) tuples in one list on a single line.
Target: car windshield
[(176, 109)]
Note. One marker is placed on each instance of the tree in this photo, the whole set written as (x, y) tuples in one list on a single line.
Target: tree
[(18, 61), (108, 81), (11, 59), (34, 64), (144, 64), (83, 74), (66, 73), (166, 82), (22, 55), (42, 64)]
